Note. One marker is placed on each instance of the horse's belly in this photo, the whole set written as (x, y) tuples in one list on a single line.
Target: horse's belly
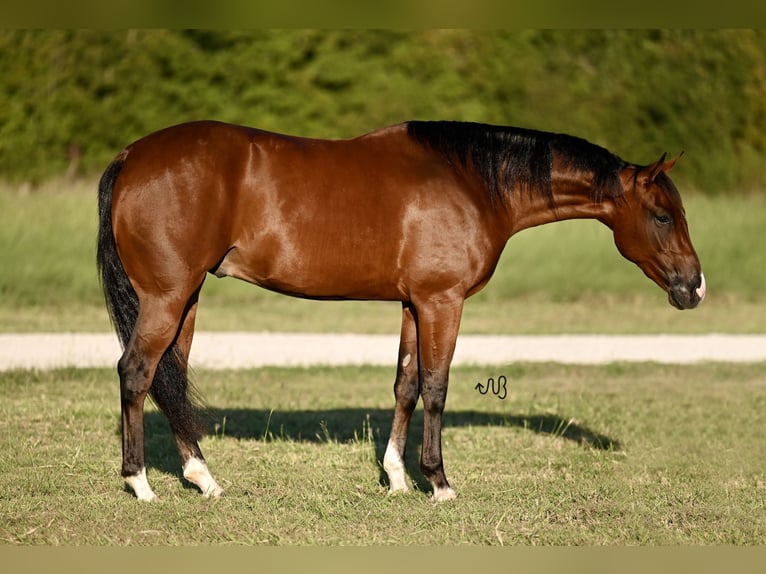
[(313, 273)]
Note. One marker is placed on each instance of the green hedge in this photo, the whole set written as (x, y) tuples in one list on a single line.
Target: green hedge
[(67, 94)]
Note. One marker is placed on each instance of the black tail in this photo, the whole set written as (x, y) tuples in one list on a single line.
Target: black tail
[(170, 390)]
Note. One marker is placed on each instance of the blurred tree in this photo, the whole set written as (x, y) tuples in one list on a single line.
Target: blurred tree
[(80, 96)]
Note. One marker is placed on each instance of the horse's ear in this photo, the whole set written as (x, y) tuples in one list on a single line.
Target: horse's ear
[(650, 172), (668, 165)]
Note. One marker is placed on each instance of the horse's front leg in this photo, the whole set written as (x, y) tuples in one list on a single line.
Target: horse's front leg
[(406, 392), (437, 333)]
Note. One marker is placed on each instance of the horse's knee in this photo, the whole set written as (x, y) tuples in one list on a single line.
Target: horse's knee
[(406, 394), (434, 398), (406, 384)]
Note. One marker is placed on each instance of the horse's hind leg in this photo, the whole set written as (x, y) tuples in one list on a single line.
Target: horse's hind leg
[(195, 469), (156, 328), (406, 392)]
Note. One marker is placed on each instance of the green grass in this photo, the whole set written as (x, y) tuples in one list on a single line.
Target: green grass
[(623, 454), (565, 277)]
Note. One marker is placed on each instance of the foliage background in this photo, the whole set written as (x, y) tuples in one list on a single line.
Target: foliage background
[(72, 98)]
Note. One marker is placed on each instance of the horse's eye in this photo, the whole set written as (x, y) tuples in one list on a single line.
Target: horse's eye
[(663, 219)]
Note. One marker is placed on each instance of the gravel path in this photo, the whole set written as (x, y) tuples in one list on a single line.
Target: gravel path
[(243, 350)]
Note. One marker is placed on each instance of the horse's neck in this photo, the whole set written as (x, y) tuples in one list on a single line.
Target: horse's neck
[(572, 199)]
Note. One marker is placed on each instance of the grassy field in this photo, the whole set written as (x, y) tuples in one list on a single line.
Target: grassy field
[(616, 455), (611, 455), (566, 277)]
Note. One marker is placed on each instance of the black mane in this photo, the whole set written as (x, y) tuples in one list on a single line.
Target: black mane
[(507, 158)]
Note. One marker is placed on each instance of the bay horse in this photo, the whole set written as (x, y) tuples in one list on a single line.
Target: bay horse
[(418, 213)]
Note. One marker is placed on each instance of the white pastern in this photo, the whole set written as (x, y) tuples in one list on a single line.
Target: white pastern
[(140, 486), (394, 467), (702, 289), (196, 472), (443, 494)]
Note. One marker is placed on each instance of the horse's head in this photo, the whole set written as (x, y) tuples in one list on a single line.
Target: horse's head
[(649, 225)]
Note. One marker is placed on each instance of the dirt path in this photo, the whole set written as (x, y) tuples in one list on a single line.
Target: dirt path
[(243, 350)]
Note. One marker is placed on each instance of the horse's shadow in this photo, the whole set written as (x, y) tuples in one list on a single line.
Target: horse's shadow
[(353, 424)]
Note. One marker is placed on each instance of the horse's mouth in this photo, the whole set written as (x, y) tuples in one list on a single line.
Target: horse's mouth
[(682, 296)]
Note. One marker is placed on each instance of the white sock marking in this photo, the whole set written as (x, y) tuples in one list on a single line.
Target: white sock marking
[(196, 472), (443, 494), (140, 486), (394, 467)]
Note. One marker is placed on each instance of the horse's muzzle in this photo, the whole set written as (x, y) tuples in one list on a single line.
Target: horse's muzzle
[(687, 295)]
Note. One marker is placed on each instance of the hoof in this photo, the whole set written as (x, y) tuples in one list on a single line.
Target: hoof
[(443, 494), (398, 490), (214, 492)]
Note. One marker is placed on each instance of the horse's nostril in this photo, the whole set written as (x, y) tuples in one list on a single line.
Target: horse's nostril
[(687, 294)]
